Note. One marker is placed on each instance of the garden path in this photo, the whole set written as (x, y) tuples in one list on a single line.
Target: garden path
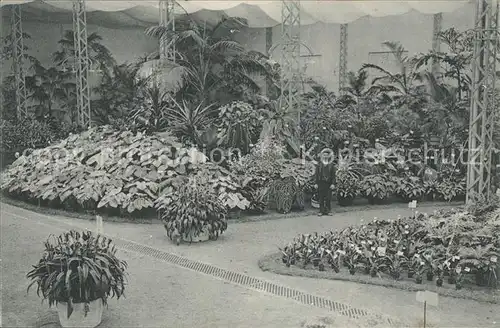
[(239, 250)]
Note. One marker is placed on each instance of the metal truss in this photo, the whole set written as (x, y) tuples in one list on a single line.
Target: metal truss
[(18, 62), (290, 56), (436, 41), (167, 20), (269, 45), (482, 112), (343, 59), (82, 64)]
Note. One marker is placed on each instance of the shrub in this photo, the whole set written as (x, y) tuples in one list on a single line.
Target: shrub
[(28, 133), (240, 125), (449, 189), (193, 208), (257, 170), (78, 268), (346, 186), (100, 169), (225, 184), (295, 177), (347, 180), (452, 243)]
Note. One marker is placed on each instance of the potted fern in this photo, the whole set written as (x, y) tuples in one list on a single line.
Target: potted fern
[(77, 273)]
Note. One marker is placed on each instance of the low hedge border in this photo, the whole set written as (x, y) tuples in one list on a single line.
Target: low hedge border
[(274, 264), (241, 219)]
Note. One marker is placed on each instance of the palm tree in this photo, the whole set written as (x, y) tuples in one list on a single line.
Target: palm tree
[(50, 87), (456, 61), (99, 55), (118, 92), (356, 87), (402, 86), (209, 60)]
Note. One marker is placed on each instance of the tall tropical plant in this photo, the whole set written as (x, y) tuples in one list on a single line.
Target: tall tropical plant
[(119, 92), (455, 62), (210, 60), (52, 91), (190, 121), (281, 125), (7, 85), (402, 86), (357, 87)]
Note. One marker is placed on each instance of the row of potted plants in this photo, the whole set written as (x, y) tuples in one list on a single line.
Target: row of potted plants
[(455, 245), (379, 183)]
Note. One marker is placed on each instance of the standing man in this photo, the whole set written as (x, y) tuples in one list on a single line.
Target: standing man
[(325, 176)]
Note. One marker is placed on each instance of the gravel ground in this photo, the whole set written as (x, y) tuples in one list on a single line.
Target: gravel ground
[(240, 248), (158, 295)]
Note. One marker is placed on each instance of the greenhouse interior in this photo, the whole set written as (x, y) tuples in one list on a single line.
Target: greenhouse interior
[(285, 163)]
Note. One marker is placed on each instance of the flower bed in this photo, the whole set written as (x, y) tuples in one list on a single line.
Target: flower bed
[(99, 170), (457, 247)]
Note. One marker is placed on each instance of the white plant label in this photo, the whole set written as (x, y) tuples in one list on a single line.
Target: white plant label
[(381, 251)]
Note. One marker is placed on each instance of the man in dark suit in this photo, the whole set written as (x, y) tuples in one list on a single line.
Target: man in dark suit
[(325, 176)]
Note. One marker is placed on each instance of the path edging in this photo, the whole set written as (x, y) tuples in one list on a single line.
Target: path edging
[(257, 218), (273, 264)]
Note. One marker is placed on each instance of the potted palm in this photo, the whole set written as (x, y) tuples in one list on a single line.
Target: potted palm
[(77, 273)]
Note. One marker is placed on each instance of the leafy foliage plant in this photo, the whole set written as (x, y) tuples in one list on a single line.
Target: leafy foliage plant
[(78, 267)]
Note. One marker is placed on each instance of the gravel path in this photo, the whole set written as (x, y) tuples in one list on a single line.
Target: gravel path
[(158, 295), (244, 243)]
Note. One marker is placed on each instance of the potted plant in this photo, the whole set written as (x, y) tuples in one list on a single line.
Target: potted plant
[(431, 192), (459, 277), (395, 265), (377, 188), (352, 259), (418, 278), (333, 258), (192, 211), (409, 188), (347, 181), (77, 273), (419, 270)]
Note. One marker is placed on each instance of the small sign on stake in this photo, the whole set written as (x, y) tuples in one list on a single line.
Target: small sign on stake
[(412, 205), (427, 297), (99, 225)]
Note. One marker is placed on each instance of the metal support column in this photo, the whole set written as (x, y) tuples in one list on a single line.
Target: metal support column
[(269, 44), (482, 110), (436, 41), (82, 63), (18, 61), (167, 20), (343, 59), (290, 56)]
